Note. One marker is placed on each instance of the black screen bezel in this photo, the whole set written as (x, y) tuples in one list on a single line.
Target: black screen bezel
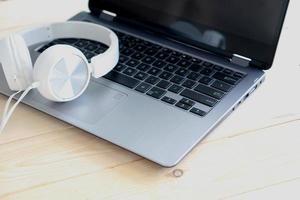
[(96, 6)]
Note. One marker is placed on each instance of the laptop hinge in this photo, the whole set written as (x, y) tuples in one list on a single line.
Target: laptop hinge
[(240, 60), (107, 15)]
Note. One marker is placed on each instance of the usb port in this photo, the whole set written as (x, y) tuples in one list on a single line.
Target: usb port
[(252, 90)]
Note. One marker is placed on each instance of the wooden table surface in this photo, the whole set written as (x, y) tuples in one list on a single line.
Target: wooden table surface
[(254, 154)]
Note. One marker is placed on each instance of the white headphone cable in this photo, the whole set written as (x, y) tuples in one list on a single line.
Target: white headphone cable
[(8, 112)]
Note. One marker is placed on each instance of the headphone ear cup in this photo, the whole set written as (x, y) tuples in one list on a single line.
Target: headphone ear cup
[(63, 73), (17, 63)]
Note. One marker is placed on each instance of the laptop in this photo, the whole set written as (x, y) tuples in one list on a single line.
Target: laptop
[(184, 67)]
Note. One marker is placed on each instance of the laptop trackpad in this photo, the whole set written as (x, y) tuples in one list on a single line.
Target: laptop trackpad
[(96, 102)]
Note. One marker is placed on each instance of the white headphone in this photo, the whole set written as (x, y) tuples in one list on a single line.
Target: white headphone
[(61, 73)]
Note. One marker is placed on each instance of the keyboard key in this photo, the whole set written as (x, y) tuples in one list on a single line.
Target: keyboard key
[(132, 63), (170, 68), (196, 61), (161, 55), (141, 76), (184, 63), (127, 43), (195, 67), (127, 52), (166, 50), (143, 87), (193, 76), (209, 91), (138, 56), (91, 47), (187, 102), (205, 80), (151, 51), (177, 79), (218, 68), (221, 86), (122, 79), (227, 71), (163, 84), (127, 38), (199, 97), (156, 92), (182, 72), (186, 57), (165, 75), (143, 67), (129, 71), (183, 106), (176, 54), (207, 71), (102, 46), (238, 75), (188, 84), (159, 64), (172, 59), (137, 40), (100, 50), (148, 60), (122, 47), (154, 71), (207, 64), (89, 54), (156, 46), (197, 111), (81, 43), (152, 80), (146, 43), (226, 78), (168, 100), (175, 88), (119, 67), (123, 59), (140, 48)]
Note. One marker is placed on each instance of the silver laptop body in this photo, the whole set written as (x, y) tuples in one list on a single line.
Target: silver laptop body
[(147, 126)]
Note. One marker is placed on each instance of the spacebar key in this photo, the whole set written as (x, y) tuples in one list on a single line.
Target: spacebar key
[(199, 97), (122, 79)]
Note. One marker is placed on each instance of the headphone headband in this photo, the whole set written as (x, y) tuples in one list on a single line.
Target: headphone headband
[(101, 64)]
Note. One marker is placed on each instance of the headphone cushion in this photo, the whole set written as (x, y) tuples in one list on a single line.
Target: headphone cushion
[(17, 64), (63, 73)]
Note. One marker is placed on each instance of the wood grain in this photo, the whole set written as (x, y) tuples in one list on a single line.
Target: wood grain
[(254, 154)]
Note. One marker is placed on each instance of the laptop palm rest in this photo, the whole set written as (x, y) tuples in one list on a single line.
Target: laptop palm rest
[(94, 104), (97, 98)]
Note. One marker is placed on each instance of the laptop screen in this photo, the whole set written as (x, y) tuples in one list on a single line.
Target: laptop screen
[(250, 28)]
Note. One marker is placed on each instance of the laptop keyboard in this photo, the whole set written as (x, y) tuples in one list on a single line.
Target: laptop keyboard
[(174, 78)]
